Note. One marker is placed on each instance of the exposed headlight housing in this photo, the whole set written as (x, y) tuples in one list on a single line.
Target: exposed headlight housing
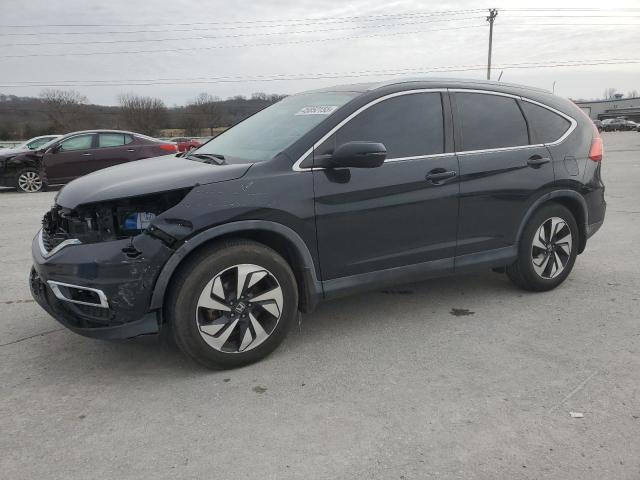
[(109, 220)]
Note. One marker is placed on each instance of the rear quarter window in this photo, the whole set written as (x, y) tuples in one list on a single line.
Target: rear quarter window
[(546, 126)]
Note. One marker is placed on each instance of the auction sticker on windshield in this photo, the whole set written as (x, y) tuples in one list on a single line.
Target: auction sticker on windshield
[(317, 110)]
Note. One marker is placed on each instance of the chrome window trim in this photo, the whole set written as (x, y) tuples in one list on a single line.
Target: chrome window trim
[(501, 149), (417, 157), (55, 288), (57, 248), (296, 166), (486, 92)]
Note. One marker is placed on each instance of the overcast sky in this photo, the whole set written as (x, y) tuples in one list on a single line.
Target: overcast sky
[(256, 39)]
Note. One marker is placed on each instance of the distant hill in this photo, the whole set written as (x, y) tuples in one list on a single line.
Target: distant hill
[(25, 117)]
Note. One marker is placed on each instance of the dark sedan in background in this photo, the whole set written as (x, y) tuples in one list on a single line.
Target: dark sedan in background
[(76, 154)]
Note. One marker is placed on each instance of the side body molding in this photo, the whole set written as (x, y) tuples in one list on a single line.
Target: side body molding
[(312, 284)]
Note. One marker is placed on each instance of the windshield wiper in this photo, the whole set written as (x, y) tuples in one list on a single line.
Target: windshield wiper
[(214, 157)]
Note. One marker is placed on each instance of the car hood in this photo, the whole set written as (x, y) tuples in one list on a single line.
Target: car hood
[(144, 177), (7, 153), (10, 151)]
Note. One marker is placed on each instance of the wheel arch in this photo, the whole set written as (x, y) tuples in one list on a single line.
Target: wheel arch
[(279, 237), (570, 199)]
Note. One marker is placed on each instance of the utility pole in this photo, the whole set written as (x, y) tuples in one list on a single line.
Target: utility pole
[(493, 13)]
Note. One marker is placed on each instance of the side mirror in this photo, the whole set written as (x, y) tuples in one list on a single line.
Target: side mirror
[(355, 155)]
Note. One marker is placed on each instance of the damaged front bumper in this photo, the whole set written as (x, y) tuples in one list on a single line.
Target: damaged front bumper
[(100, 290)]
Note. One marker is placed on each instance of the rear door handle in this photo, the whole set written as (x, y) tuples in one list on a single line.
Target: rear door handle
[(131, 149), (86, 154), (437, 176), (537, 161)]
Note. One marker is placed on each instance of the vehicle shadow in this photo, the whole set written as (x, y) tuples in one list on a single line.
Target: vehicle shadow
[(7, 190), (432, 300), (429, 302)]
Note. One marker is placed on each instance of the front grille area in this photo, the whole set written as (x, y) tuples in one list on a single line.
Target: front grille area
[(88, 316)]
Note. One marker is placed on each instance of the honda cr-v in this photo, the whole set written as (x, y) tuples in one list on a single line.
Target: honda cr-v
[(323, 194)]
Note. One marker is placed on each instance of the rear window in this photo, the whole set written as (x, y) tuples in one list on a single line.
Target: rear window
[(490, 121), (546, 126)]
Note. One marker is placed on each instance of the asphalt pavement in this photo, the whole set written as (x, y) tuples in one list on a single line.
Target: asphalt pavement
[(455, 378)]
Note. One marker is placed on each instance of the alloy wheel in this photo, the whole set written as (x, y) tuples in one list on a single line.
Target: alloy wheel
[(30, 182), (551, 248), (239, 308)]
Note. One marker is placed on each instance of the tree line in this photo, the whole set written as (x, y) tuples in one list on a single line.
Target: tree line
[(62, 111)]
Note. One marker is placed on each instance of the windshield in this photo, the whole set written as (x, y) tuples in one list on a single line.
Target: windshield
[(268, 132), (48, 144)]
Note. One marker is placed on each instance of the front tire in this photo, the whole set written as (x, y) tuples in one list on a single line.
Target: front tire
[(29, 180), (232, 303), (547, 250)]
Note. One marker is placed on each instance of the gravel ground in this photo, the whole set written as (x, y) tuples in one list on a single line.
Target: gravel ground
[(458, 378)]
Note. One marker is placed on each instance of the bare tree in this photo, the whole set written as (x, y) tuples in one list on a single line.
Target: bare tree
[(142, 114), (632, 94), (202, 112), (609, 93), (65, 109), (275, 97)]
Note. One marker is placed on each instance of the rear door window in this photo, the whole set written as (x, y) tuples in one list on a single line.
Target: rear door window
[(408, 125), (546, 126), (490, 121), (111, 140)]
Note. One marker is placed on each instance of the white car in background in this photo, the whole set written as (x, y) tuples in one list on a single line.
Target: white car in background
[(31, 144)]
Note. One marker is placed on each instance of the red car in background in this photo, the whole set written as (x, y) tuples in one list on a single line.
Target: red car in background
[(185, 144)]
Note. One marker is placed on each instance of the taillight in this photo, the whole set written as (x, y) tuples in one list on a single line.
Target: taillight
[(169, 147), (595, 153)]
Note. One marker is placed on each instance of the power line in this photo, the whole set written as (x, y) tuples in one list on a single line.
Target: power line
[(570, 9), (207, 37), (252, 27), (217, 47), (326, 75), (283, 22), (506, 25), (311, 20), (576, 16)]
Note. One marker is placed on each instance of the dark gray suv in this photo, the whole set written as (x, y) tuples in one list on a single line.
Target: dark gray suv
[(323, 194)]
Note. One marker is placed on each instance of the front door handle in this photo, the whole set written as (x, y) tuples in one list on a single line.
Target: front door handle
[(438, 176), (86, 154), (131, 149), (536, 161)]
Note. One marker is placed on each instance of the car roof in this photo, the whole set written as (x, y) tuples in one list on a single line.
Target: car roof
[(52, 135), (432, 82), (101, 131)]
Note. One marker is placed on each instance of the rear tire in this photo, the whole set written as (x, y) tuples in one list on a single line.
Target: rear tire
[(232, 303), (547, 250)]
